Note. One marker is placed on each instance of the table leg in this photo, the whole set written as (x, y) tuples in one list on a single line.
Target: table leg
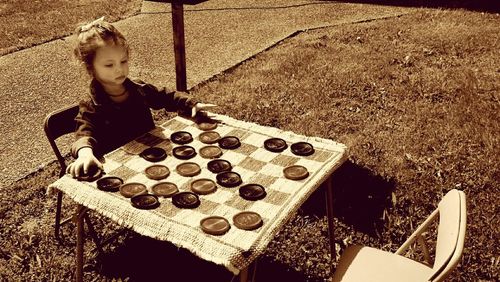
[(329, 213), (80, 240), (244, 275)]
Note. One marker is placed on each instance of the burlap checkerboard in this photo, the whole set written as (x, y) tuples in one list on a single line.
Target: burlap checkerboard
[(237, 248)]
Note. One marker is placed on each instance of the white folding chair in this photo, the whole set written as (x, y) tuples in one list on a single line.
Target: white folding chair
[(361, 263)]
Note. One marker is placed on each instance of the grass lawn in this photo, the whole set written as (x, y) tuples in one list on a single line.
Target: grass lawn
[(415, 98), (29, 22)]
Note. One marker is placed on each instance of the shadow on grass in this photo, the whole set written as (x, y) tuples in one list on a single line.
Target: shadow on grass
[(359, 198), (473, 5), (140, 258)]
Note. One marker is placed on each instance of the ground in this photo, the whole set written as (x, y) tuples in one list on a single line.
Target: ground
[(415, 99)]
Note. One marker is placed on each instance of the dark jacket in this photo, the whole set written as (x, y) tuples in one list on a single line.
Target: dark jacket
[(105, 125)]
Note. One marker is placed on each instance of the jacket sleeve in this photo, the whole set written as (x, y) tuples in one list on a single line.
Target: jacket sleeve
[(161, 98), (85, 124)]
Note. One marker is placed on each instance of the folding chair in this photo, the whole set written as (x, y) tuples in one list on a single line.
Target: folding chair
[(57, 124), (360, 263)]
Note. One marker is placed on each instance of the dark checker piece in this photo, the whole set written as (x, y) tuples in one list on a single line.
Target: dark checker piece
[(153, 154), (229, 142), (184, 152), (209, 137), (252, 192), (157, 172), (186, 200), (228, 179), (203, 186), (164, 189), (218, 166), (145, 201), (131, 189), (181, 137), (92, 174), (276, 145), (210, 152), (295, 172), (188, 169), (109, 184), (247, 220), (215, 225), (205, 125), (302, 149)]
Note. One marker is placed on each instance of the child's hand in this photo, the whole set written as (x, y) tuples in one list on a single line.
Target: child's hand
[(83, 163), (201, 107)]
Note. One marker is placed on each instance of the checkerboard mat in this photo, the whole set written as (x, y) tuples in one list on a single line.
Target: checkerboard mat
[(237, 248)]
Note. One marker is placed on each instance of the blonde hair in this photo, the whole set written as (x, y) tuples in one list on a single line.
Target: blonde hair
[(91, 36)]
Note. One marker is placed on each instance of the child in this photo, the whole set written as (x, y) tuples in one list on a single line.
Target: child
[(118, 110)]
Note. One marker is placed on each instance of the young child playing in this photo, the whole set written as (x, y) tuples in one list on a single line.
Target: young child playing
[(118, 110)]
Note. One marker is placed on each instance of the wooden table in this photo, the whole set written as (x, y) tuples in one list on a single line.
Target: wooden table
[(237, 248)]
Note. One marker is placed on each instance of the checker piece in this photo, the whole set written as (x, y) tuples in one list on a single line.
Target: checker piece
[(157, 172), (153, 154), (302, 149), (186, 200), (203, 186), (295, 172), (205, 125), (276, 145), (247, 220), (128, 190), (218, 166), (145, 201), (252, 192), (210, 152), (229, 142), (209, 137), (215, 225), (164, 189), (228, 179), (184, 152), (109, 183), (188, 169), (181, 137), (92, 174)]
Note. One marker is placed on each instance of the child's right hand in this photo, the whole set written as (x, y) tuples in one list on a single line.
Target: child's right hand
[(81, 166)]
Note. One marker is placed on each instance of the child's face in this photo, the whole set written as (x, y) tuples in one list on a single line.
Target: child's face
[(110, 66)]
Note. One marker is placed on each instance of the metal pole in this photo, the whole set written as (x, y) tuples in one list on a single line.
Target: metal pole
[(179, 46)]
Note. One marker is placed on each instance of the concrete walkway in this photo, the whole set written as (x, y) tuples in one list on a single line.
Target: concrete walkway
[(219, 35)]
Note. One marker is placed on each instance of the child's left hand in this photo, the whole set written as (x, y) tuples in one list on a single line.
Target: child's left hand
[(201, 107)]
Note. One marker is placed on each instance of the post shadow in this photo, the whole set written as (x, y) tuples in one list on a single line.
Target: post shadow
[(473, 5), (359, 198)]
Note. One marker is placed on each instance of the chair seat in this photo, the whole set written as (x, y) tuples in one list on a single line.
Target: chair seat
[(360, 263)]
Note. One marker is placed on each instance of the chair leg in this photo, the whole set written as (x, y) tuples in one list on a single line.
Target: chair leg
[(93, 234), (57, 225)]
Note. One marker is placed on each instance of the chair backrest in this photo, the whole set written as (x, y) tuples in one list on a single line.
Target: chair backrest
[(451, 234), (57, 124)]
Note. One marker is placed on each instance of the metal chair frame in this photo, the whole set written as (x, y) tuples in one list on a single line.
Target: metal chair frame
[(451, 230)]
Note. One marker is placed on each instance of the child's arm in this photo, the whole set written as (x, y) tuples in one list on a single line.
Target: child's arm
[(158, 98), (83, 148)]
